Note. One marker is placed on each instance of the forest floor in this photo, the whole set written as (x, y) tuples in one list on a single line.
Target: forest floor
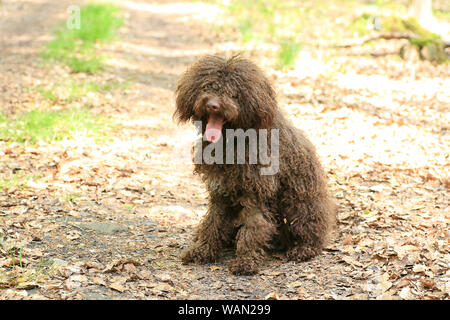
[(109, 219)]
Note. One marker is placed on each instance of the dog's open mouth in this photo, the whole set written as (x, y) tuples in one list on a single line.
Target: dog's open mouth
[(213, 130)]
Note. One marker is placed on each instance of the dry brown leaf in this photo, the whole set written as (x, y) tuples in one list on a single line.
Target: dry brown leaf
[(351, 261), (98, 280), (295, 284), (118, 284), (301, 293), (214, 268), (385, 284), (348, 239), (118, 266), (144, 274), (129, 268), (419, 268), (428, 284), (163, 287), (403, 251), (272, 296), (402, 283), (406, 293)]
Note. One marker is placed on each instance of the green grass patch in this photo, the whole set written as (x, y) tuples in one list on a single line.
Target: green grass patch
[(245, 28), (77, 48), (445, 14), (129, 207), (90, 64), (289, 50), (71, 197), (17, 180), (21, 275), (49, 126), (362, 25), (261, 19)]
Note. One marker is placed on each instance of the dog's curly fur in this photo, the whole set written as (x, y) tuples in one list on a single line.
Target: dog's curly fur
[(291, 210)]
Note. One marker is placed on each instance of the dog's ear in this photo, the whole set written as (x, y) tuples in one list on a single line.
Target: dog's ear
[(185, 96), (256, 96)]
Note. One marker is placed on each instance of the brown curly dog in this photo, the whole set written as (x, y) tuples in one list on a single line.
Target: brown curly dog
[(288, 209)]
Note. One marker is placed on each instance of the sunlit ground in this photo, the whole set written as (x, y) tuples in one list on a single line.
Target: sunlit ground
[(380, 126)]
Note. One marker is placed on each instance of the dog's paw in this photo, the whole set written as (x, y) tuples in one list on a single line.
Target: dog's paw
[(199, 254), (243, 267), (302, 253)]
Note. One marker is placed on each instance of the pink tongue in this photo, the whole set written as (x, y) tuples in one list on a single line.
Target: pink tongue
[(214, 128)]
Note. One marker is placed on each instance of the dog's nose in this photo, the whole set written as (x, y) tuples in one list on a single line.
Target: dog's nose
[(212, 106)]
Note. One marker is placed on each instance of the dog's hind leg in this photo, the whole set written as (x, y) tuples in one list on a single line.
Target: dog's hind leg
[(309, 228)]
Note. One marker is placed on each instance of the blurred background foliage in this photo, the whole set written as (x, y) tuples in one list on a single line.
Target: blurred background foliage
[(290, 24)]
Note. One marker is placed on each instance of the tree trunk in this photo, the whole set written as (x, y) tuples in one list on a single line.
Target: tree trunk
[(422, 12)]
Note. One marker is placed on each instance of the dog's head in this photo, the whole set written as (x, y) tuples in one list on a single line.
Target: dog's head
[(225, 93)]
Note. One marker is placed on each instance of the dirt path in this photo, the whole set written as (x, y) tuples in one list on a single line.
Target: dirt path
[(109, 220)]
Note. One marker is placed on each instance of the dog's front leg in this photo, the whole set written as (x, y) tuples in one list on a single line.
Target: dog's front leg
[(252, 238), (214, 231)]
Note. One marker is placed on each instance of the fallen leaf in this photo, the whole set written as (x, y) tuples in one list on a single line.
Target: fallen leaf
[(295, 284), (119, 284), (272, 296), (301, 292), (118, 287), (385, 284), (418, 268), (406, 294)]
